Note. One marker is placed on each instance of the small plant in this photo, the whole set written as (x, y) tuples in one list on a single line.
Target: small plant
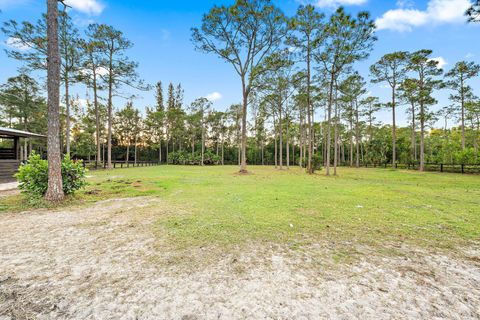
[(33, 176), (317, 162)]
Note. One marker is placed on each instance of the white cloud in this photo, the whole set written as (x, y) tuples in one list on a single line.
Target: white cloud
[(336, 3), (82, 103), (16, 44), (102, 71), (92, 7), (438, 12), (441, 62), (214, 96)]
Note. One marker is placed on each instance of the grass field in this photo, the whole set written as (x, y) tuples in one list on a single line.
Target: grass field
[(215, 205)]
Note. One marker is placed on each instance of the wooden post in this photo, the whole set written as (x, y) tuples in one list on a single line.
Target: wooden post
[(16, 146)]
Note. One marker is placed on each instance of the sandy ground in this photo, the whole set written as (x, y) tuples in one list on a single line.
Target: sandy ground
[(104, 262), (8, 188)]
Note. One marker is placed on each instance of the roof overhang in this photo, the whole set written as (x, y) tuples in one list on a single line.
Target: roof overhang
[(18, 133)]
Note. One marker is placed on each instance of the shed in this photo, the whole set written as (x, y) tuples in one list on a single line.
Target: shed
[(10, 152)]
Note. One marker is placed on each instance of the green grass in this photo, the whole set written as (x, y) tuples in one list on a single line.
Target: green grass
[(215, 205)]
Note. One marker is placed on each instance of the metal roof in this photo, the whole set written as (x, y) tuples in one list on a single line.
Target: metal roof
[(19, 133)]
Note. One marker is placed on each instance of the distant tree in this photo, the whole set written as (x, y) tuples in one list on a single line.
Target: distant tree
[(473, 13), (308, 23), (34, 37), (345, 40), (200, 107), (155, 120), (243, 35), (127, 126), (120, 70), (370, 106), (391, 68), (409, 94), (426, 70), (353, 88), (458, 77), (92, 67), (23, 106)]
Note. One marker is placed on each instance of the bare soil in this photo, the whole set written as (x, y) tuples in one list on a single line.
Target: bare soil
[(106, 262)]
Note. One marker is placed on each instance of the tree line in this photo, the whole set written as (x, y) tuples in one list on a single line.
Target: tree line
[(303, 102)]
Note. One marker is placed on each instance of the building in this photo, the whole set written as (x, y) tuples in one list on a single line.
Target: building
[(10, 150)]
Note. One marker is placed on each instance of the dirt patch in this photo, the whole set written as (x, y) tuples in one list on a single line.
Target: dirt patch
[(100, 263)]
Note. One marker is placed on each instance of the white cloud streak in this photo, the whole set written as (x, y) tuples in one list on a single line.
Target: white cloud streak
[(91, 7), (441, 62), (406, 18), (336, 3), (214, 96), (15, 43)]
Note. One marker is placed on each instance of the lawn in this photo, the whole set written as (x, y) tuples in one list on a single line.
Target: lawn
[(215, 205)]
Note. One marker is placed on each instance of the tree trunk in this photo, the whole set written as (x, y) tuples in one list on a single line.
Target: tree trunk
[(97, 117), (394, 130), (280, 132), (160, 151), (166, 148), (67, 114), (414, 138), (309, 113), (55, 184), (357, 136), (203, 142), (329, 119), (288, 148), (462, 94), (127, 154), (335, 136), (110, 115), (243, 165), (351, 142), (422, 138)]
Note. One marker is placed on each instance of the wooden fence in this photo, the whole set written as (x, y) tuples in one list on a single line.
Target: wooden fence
[(93, 165), (432, 167)]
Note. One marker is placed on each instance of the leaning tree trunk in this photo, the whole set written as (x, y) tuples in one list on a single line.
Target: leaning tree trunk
[(55, 185)]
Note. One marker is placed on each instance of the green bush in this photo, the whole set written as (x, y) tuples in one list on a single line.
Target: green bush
[(33, 176), (187, 158), (317, 162), (467, 156)]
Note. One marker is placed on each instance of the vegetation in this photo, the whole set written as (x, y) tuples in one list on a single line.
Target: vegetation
[(33, 176), (302, 99), (213, 205)]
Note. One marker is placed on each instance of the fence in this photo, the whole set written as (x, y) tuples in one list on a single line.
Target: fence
[(93, 165), (432, 167)]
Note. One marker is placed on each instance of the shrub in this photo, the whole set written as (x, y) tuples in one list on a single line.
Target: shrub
[(33, 176), (317, 162), (467, 156), (187, 158)]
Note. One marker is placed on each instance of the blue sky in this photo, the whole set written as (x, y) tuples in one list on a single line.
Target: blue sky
[(160, 30)]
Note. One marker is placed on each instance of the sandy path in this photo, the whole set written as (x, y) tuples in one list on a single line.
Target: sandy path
[(102, 263)]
